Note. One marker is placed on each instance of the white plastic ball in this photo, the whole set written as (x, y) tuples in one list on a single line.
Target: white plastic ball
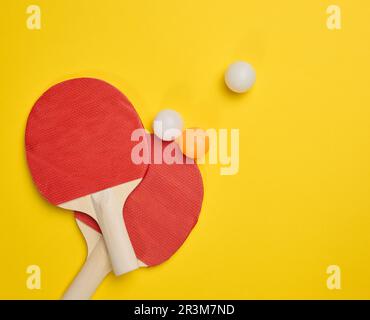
[(168, 125), (240, 77)]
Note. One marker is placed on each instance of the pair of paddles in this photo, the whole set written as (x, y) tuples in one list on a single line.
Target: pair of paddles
[(80, 136)]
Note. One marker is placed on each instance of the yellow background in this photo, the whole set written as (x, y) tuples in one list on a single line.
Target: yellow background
[(300, 201)]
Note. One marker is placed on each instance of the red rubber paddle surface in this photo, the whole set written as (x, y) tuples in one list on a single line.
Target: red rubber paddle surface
[(161, 212), (78, 140)]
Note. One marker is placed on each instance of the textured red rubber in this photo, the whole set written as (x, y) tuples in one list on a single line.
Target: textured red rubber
[(78, 140)]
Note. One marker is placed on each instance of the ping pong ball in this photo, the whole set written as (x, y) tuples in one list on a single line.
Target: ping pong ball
[(240, 77), (194, 143), (168, 125)]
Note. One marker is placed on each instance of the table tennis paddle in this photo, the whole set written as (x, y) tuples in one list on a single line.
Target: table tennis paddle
[(78, 147), (159, 214)]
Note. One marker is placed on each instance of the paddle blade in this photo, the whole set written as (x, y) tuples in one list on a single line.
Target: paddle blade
[(162, 211), (78, 140)]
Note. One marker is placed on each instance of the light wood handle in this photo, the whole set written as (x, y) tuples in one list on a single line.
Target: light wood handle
[(92, 273), (108, 209)]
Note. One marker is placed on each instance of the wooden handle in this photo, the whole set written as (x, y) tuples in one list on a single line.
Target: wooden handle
[(93, 272), (108, 206)]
